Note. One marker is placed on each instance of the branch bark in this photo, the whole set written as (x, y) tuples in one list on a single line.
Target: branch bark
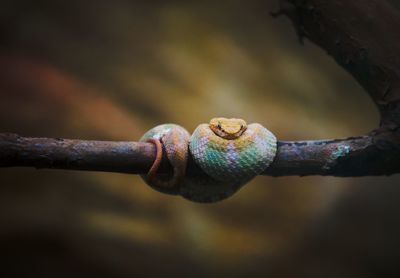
[(362, 36), (358, 156)]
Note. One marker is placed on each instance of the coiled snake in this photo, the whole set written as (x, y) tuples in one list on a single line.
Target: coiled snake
[(229, 152)]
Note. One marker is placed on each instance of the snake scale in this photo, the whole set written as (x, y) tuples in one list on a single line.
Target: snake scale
[(229, 152)]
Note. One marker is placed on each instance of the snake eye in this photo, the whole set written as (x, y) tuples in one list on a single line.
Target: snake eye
[(219, 126)]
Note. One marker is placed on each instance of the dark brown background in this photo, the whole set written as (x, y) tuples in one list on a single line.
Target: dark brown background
[(110, 70)]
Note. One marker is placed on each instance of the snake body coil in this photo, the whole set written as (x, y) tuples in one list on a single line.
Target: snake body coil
[(229, 152)]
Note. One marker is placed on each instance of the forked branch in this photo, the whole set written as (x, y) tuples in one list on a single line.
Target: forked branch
[(362, 36)]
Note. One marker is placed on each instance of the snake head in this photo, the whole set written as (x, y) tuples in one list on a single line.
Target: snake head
[(228, 128)]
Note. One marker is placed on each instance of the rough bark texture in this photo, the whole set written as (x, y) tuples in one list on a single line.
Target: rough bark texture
[(359, 156), (362, 36)]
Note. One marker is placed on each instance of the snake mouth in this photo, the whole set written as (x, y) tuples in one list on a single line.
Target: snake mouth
[(228, 128)]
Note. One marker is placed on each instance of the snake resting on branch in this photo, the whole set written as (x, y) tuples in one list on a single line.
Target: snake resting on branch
[(229, 152)]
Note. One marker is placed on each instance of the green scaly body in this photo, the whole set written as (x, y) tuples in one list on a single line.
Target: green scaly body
[(227, 164)]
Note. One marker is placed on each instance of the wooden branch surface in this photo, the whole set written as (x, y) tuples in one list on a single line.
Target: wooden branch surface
[(362, 36), (359, 156)]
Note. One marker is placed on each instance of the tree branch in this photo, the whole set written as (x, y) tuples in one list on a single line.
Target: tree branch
[(362, 36), (359, 156)]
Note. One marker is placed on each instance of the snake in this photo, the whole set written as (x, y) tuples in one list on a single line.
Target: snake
[(228, 151)]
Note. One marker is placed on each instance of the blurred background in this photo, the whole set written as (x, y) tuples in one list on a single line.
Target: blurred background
[(110, 70)]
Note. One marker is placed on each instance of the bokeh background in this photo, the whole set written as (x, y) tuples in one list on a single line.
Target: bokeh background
[(110, 70)]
